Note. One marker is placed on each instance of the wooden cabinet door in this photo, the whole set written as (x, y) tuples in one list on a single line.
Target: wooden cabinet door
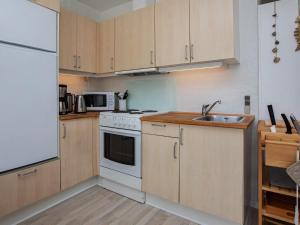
[(172, 32), (28, 186), (76, 146), (160, 167), (86, 45), (212, 172), (51, 4), (106, 46), (212, 30), (68, 40), (135, 40)]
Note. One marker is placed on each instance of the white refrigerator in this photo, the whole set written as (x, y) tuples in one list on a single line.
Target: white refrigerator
[(28, 84)]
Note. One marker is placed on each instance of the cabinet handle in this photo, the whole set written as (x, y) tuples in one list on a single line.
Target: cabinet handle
[(65, 131), (181, 136), (186, 52), (151, 58), (174, 150), (159, 125), (112, 63), (28, 173), (75, 61), (192, 52), (79, 62)]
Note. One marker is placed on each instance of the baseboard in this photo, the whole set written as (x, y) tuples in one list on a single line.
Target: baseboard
[(30, 211), (184, 212), (121, 189)]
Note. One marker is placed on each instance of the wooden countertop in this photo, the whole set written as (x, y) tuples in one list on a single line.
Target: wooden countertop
[(187, 119), (73, 116)]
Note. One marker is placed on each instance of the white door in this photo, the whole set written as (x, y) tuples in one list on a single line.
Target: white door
[(28, 106)]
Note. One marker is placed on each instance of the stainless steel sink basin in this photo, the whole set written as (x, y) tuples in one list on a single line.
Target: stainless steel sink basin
[(220, 119)]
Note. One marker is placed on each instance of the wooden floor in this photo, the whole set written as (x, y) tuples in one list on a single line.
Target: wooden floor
[(98, 206)]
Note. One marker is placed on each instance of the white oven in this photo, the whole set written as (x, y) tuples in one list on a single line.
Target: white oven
[(120, 150)]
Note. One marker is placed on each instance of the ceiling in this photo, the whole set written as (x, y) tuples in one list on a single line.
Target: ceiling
[(102, 5)]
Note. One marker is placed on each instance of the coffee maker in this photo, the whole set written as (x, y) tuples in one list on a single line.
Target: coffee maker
[(62, 99)]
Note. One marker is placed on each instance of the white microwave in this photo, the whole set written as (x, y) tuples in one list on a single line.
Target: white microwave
[(100, 101)]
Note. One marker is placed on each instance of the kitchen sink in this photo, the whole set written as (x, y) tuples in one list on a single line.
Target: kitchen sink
[(221, 119)]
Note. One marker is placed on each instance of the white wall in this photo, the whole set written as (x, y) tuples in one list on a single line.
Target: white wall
[(279, 83)]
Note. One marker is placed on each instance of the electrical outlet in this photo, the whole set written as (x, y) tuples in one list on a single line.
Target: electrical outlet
[(247, 108)]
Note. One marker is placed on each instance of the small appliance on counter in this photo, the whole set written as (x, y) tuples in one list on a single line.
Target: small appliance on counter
[(66, 100), (70, 100), (80, 106), (62, 99), (100, 101)]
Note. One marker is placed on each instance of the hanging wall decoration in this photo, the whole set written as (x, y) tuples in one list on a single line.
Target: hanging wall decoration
[(275, 50), (297, 31)]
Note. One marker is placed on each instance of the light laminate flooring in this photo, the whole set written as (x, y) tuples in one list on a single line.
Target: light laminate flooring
[(98, 206)]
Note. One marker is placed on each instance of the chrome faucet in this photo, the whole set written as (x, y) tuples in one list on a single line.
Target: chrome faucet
[(205, 111)]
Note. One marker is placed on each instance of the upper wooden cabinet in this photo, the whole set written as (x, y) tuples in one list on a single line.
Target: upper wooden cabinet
[(135, 40), (196, 31), (212, 171), (78, 36), (212, 30), (106, 47), (51, 4), (68, 40), (172, 32), (86, 44)]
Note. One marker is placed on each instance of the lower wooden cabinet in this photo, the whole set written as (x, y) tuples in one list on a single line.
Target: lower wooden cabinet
[(212, 171), (78, 149), (206, 171), (24, 187), (161, 166)]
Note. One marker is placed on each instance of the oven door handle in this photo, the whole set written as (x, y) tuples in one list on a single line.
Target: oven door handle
[(120, 131)]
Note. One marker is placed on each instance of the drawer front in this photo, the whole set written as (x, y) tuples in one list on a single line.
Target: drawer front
[(28, 186), (161, 129)]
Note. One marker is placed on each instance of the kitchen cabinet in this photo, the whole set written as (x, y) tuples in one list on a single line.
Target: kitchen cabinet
[(67, 40), (196, 31), (106, 46), (78, 36), (78, 144), (86, 44), (51, 4), (134, 40), (160, 168), (24, 187), (212, 30), (172, 32), (212, 171)]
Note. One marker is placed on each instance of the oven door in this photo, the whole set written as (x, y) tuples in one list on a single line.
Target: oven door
[(120, 150)]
